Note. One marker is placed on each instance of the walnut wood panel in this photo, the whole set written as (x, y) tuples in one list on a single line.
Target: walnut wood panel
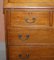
[(31, 52), (27, 17), (31, 35)]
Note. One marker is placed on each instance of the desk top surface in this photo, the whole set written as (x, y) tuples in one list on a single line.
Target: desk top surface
[(28, 3)]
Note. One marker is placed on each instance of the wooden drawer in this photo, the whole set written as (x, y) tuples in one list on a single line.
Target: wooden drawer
[(29, 17), (29, 1), (31, 52), (24, 36)]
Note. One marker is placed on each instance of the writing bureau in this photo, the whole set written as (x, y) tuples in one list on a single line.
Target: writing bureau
[(29, 28)]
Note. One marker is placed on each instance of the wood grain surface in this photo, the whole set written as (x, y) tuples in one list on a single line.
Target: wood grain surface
[(26, 40), (31, 53)]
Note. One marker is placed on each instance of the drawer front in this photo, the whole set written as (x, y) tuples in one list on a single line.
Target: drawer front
[(20, 36), (29, 17), (31, 53), (29, 1)]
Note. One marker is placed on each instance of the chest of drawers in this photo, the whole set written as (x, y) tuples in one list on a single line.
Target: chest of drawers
[(29, 30)]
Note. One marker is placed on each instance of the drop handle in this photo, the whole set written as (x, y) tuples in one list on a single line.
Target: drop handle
[(27, 55), (32, 20), (24, 58), (20, 36), (20, 55)]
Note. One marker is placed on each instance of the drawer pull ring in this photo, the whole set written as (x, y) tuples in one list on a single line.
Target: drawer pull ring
[(20, 55), (33, 20), (21, 37), (25, 57)]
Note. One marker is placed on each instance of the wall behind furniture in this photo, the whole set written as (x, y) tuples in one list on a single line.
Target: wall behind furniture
[(2, 33)]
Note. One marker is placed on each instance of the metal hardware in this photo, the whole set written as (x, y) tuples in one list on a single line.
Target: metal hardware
[(23, 58), (33, 20), (21, 37), (20, 55), (27, 55)]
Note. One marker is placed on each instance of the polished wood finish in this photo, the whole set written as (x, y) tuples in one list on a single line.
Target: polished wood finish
[(19, 36), (16, 1), (25, 17), (53, 18), (37, 37), (31, 53), (29, 28), (28, 3), (29, 18)]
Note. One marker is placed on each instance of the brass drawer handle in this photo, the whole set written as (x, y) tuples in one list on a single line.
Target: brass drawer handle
[(25, 57), (20, 55), (33, 20), (21, 37)]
